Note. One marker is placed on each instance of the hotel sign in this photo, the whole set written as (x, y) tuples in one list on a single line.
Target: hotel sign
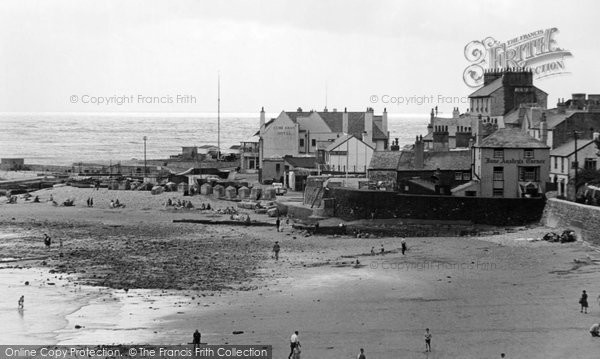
[(536, 51), (514, 161), (284, 130)]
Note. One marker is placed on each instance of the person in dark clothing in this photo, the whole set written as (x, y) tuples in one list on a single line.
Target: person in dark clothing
[(276, 250), (404, 248), (197, 337), (583, 301), (278, 223), (47, 240)]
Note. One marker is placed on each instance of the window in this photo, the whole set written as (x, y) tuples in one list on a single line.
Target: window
[(457, 176), (529, 174), (498, 192), (251, 164), (313, 142), (590, 164), (466, 176), (555, 163), (277, 167), (529, 153), (499, 153), (498, 174), (301, 142), (470, 193), (562, 164)]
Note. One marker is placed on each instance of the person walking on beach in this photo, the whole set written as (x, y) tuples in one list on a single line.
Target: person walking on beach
[(276, 250), (47, 240), (382, 250), (197, 337), (278, 223), (404, 248), (427, 340), (361, 355), (294, 343), (21, 302), (584, 303), (91, 201)]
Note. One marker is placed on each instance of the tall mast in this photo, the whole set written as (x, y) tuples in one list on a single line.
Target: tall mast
[(219, 116)]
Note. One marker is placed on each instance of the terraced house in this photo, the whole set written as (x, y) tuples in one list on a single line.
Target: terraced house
[(310, 134)]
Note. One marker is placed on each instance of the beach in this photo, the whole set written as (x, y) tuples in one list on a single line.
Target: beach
[(132, 276)]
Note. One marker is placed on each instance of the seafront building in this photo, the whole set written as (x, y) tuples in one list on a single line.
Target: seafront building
[(296, 134), (502, 93), (474, 153)]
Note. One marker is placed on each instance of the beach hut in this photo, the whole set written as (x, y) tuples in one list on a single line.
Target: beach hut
[(206, 189), (255, 193), (230, 192), (124, 185), (182, 187), (243, 192), (113, 185), (268, 194), (218, 191)]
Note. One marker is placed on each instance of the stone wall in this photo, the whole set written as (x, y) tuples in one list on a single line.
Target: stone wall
[(583, 219), (359, 204)]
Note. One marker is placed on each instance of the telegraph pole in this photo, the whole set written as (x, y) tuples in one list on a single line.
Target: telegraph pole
[(145, 164), (219, 116)]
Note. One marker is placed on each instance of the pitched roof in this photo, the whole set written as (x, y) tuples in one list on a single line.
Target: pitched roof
[(433, 160), (488, 89), (342, 139), (515, 117), (510, 138), (356, 123), (304, 162), (385, 160), (567, 149)]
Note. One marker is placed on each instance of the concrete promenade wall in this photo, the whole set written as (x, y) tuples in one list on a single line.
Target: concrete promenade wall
[(583, 219)]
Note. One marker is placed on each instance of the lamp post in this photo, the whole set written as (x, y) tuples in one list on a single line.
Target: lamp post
[(145, 168)]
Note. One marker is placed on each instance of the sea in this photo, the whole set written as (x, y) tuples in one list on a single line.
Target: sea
[(67, 138)]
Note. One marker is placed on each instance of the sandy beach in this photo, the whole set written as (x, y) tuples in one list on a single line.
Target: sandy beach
[(131, 275)]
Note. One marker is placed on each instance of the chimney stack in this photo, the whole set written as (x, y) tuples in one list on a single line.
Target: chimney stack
[(543, 129), (345, 121), (262, 121), (455, 113), (419, 153), (384, 121)]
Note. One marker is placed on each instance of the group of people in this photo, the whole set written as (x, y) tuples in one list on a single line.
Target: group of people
[(116, 204), (90, 202), (178, 203)]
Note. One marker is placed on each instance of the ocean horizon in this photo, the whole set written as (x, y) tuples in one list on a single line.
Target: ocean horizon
[(55, 138)]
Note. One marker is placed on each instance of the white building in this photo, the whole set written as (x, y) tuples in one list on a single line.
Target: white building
[(348, 154), (562, 159)]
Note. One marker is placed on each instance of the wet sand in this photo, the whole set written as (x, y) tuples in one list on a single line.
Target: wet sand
[(479, 296)]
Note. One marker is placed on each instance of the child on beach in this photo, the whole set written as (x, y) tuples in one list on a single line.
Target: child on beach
[(21, 302), (584, 303), (427, 340), (361, 355)]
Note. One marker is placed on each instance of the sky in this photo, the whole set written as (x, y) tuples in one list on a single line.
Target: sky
[(167, 56)]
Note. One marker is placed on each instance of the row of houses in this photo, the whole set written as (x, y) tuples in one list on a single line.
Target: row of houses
[(507, 144)]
